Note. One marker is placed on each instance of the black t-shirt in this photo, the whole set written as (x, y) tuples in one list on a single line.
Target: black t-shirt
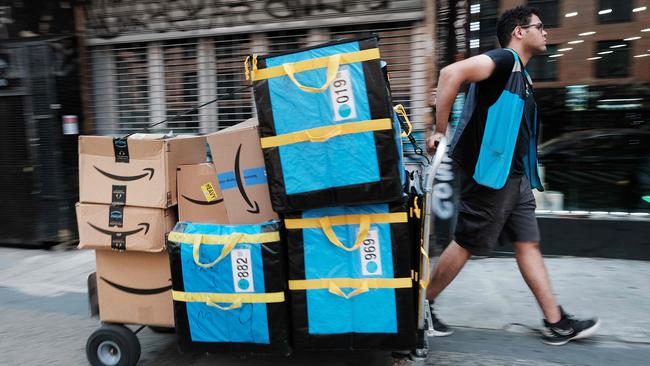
[(489, 90)]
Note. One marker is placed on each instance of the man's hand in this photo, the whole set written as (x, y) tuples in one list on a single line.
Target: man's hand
[(433, 141)]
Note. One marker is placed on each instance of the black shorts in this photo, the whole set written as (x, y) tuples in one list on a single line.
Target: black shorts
[(487, 216)]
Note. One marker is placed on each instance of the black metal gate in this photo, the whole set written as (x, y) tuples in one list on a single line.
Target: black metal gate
[(38, 163)]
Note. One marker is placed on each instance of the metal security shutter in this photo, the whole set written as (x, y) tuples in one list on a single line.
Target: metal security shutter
[(230, 53), (136, 85), (180, 83)]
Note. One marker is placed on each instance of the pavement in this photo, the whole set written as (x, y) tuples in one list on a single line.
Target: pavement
[(44, 316)]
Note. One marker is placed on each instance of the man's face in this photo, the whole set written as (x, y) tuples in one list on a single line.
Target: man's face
[(535, 35)]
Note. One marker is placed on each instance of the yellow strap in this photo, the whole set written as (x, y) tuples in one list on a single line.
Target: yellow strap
[(333, 63), (234, 305), (416, 209), (221, 239), (233, 239), (247, 71), (320, 134), (401, 110), (315, 63), (351, 283), (335, 290), (364, 227), (424, 281), (313, 223), (271, 297)]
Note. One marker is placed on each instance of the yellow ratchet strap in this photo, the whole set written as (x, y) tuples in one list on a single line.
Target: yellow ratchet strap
[(312, 64), (321, 134)]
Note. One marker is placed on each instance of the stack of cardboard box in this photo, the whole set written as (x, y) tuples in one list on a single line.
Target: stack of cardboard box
[(128, 198), (129, 189)]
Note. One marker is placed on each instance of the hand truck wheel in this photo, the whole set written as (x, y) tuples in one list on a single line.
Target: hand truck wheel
[(113, 345)]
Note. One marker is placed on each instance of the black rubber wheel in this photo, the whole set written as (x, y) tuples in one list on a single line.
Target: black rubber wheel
[(113, 345), (165, 330)]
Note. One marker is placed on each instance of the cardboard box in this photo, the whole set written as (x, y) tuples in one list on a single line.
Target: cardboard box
[(199, 196), (138, 171), (237, 156), (122, 228), (134, 288)]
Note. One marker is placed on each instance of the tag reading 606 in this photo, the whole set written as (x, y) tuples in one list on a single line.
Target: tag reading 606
[(369, 251)]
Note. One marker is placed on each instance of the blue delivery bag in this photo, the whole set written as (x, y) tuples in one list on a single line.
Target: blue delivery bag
[(228, 286), (350, 278), (326, 126)]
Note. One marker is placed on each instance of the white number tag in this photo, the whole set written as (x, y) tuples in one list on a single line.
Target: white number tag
[(242, 270), (369, 251), (342, 96)]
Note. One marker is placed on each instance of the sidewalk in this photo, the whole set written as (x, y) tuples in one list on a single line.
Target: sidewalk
[(491, 294), (45, 320)]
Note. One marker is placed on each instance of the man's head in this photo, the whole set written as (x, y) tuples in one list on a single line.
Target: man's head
[(521, 25)]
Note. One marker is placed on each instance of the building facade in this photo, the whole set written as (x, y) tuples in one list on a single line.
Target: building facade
[(149, 60)]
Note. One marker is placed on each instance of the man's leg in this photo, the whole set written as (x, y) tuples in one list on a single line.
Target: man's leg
[(532, 268), (451, 261), (559, 327)]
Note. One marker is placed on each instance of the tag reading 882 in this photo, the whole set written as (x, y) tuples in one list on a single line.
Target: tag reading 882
[(242, 270), (342, 96), (370, 254)]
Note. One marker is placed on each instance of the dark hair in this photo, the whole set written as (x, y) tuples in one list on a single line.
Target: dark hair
[(511, 19)]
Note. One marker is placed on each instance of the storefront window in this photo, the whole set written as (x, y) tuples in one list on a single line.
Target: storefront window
[(613, 59), (549, 11), (614, 11)]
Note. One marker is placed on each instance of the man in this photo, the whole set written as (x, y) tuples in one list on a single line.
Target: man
[(495, 149)]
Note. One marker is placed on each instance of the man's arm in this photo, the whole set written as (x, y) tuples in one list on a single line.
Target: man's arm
[(473, 69)]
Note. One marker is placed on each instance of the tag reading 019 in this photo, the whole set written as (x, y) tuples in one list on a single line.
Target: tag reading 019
[(342, 97)]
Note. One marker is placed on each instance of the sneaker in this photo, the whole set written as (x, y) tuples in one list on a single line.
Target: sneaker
[(440, 329), (568, 329)]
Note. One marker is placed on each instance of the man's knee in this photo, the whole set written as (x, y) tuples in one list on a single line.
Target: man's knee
[(525, 246)]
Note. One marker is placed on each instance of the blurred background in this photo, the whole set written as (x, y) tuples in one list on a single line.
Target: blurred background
[(112, 67)]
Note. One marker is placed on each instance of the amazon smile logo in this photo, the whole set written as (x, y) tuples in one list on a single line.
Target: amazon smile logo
[(137, 291), (147, 172), (254, 207), (118, 238), (122, 234), (203, 203)]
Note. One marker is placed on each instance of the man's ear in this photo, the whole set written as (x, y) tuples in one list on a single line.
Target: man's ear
[(518, 32)]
